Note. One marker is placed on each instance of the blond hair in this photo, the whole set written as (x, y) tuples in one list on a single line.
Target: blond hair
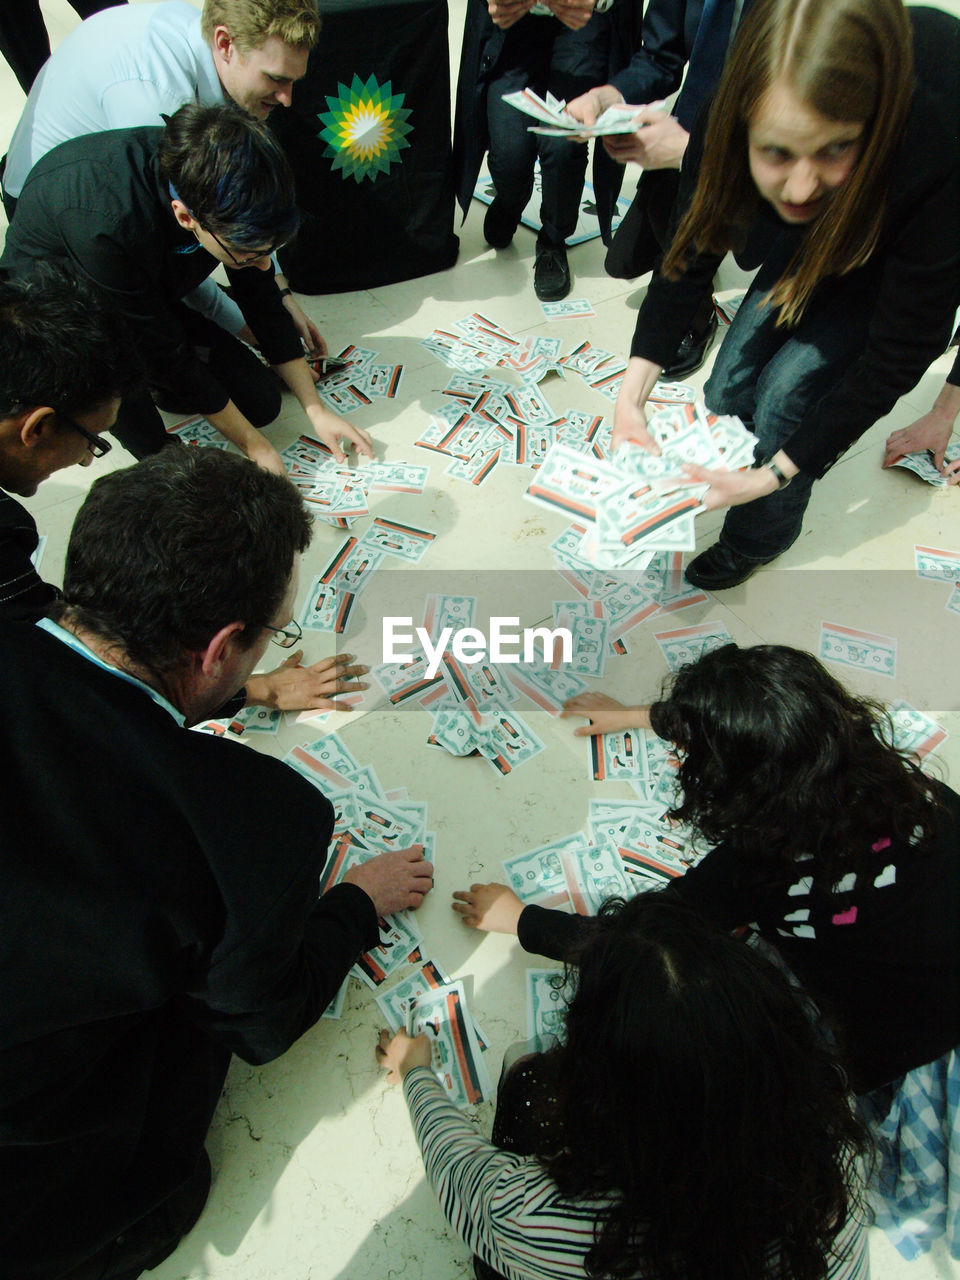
[(252, 23), (848, 60)]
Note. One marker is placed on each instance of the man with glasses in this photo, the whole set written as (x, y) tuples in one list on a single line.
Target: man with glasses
[(160, 908), (65, 362), (138, 63), (146, 215)]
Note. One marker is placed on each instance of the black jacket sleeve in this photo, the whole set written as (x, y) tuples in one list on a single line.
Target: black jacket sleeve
[(24, 596), (656, 68)]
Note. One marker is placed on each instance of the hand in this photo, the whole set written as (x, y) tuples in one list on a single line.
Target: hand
[(574, 14), (331, 430), (506, 12), (659, 142), (401, 1053), (606, 715), (395, 881), (292, 687), (731, 488), (593, 103), (491, 908), (310, 335), (629, 419), (932, 432), (263, 453)]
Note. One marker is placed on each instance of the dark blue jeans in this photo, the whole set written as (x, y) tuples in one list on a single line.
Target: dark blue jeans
[(541, 53), (772, 378)]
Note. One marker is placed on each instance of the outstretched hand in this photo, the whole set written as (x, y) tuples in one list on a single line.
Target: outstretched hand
[(293, 687), (394, 881), (491, 908), (931, 432), (605, 715), (400, 1053)]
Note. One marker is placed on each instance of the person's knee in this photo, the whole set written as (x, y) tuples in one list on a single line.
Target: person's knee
[(260, 404)]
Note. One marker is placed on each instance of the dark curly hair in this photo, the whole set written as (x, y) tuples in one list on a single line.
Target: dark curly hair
[(778, 759), (695, 1094)]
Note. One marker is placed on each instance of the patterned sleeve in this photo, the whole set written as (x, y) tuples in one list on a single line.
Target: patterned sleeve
[(503, 1206)]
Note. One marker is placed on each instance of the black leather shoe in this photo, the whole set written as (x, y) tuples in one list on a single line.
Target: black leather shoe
[(551, 275), (719, 567), (691, 352), (500, 224)]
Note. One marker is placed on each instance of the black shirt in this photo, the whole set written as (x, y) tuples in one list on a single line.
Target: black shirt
[(881, 956), (159, 913), (98, 205), (919, 249), (23, 593)]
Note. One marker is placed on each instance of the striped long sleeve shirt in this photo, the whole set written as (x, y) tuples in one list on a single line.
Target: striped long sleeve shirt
[(508, 1210)]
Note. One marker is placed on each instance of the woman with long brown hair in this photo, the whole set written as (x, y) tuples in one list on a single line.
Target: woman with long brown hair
[(831, 161)]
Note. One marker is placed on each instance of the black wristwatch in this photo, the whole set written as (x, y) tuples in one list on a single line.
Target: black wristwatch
[(781, 479)]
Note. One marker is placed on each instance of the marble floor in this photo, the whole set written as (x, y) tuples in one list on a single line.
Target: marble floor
[(316, 1175)]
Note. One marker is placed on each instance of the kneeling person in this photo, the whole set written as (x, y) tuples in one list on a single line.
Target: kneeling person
[(158, 914)]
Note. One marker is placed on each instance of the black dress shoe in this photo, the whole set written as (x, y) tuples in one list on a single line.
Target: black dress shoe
[(719, 567), (551, 275), (692, 351), (500, 224)]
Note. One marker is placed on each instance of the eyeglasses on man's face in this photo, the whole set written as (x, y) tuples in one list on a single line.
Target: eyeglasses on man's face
[(286, 637), (96, 444), (247, 258)]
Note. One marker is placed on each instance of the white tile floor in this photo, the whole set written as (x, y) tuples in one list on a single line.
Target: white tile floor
[(316, 1173)]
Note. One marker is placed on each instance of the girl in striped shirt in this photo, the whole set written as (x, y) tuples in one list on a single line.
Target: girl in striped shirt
[(691, 1126)]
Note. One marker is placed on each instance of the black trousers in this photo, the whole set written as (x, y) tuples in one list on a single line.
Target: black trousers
[(23, 37), (251, 386)]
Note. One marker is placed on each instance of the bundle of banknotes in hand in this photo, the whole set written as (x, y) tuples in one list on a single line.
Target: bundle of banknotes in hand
[(635, 503)]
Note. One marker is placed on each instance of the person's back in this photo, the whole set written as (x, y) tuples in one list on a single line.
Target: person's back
[(155, 916), (120, 68), (135, 891)]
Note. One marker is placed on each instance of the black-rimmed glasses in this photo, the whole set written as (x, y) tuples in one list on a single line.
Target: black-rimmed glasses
[(285, 637), (247, 258), (96, 444)]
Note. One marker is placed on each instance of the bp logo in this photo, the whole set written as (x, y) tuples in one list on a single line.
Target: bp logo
[(365, 129)]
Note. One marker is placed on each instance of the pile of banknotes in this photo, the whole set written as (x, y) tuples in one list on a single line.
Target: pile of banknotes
[(635, 503)]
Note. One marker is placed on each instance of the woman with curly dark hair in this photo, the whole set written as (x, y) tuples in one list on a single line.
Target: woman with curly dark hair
[(690, 1126), (845, 857), (835, 845)]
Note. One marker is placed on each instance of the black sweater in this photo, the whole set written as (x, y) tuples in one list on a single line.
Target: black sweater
[(882, 961), (919, 248), (98, 205), (159, 913)]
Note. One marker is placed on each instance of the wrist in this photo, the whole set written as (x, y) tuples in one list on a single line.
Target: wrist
[(256, 691)]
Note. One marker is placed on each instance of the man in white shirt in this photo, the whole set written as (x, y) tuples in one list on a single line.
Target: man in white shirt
[(131, 65)]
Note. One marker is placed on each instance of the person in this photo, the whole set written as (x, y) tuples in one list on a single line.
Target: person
[(562, 47), (830, 160), (160, 907), (932, 431), (674, 33), (24, 42), (668, 1134), (210, 187), (65, 363), (136, 64), (843, 856)]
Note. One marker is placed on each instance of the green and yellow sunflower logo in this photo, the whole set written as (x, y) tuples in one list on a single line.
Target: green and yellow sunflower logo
[(365, 129)]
